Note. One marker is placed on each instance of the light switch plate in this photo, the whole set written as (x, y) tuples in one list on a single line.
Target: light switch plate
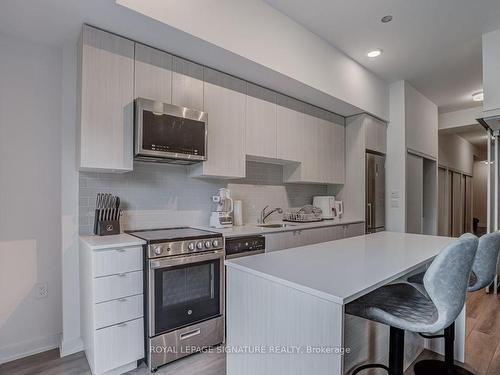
[(394, 194)]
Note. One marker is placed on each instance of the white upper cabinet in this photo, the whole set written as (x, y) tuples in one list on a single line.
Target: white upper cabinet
[(187, 84), (421, 124), (338, 149), (312, 140), (153, 74), (289, 133), (224, 99), (375, 134), (260, 129), (491, 71), (105, 101), (242, 118)]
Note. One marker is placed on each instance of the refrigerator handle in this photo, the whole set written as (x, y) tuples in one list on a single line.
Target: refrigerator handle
[(369, 215)]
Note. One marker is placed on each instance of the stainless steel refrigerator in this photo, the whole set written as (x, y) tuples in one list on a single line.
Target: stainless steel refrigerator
[(375, 193)]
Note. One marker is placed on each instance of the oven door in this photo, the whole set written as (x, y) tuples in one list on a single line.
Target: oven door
[(169, 131), (185, 290)]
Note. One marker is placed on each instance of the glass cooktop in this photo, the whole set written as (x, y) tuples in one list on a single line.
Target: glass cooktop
[(172, 234)]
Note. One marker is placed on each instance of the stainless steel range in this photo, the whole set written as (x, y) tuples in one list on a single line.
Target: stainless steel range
[(184, 292)]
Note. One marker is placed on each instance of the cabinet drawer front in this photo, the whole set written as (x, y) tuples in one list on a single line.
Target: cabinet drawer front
[(118, 311), (117, 286), (118, 345), (114, 261)]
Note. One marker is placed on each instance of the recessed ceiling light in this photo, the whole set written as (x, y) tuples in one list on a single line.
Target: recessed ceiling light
[(386, 19), (478, 96), (374, 53)]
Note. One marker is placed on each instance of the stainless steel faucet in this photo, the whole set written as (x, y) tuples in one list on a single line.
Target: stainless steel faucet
[(264, 215)]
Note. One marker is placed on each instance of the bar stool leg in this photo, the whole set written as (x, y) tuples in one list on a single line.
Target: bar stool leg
[(396, 351), (446, 367), (396, 355)]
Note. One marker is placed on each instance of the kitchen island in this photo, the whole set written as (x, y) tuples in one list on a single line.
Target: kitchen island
[(285, 310)]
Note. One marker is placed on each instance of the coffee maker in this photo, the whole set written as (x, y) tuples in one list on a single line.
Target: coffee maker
[(221, 217)]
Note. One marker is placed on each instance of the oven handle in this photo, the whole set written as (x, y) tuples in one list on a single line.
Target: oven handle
[(187, 335), (171, 262)]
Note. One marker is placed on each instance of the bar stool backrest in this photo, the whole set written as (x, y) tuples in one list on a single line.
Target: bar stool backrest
[(485, 265), (447, 278)]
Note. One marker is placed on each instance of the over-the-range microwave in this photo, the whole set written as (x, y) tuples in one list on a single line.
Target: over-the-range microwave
[(169, 133)]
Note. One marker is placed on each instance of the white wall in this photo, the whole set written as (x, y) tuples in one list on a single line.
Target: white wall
[(70, 340), (395, 162), (30, 177), (456, 153), (413, 125), (274, 41)]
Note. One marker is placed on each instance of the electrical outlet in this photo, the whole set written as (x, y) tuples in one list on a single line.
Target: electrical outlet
[(42, 290)]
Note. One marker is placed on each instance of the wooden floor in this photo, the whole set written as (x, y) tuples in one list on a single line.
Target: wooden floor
[(482, 350)]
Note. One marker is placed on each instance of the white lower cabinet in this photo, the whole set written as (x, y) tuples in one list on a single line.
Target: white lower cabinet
[(118, 310), (117, 345), (112, 310), (303, 237), (117, 261), (117, 286), (353, 230)]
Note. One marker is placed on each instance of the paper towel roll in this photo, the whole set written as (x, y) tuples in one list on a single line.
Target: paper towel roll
[(238, 213)]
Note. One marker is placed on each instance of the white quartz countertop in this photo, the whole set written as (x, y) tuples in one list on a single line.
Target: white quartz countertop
[(343, 270), (254, 229), (107, 242)]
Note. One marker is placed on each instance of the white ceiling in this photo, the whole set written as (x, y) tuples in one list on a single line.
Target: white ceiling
[(433, 44)]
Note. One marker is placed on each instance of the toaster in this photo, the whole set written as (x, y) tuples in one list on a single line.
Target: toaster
[(329, 206)]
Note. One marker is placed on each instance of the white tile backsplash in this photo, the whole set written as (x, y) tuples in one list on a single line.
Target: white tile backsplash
[(163, 195)]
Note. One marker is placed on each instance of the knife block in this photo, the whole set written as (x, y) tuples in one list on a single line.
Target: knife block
[(105, 227), (108, 227)]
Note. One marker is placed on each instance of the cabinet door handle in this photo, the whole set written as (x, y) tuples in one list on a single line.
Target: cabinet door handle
[(370, 215), (122, 300), (122, 274), (120, 250), (122, 325), (184, 336)]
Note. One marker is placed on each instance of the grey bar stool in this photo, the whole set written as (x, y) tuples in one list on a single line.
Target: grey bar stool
[(483, 274), (404, 308)]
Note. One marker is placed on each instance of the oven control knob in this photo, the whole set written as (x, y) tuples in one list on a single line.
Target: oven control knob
[(208, 244), (191, 246), (215, 243), (158, 250), (199, 245)]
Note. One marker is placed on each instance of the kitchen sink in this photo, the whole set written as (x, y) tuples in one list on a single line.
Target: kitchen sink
[(275, 225)]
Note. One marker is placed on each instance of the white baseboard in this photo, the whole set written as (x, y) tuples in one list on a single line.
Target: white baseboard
[(29, 347), (72, 346)]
